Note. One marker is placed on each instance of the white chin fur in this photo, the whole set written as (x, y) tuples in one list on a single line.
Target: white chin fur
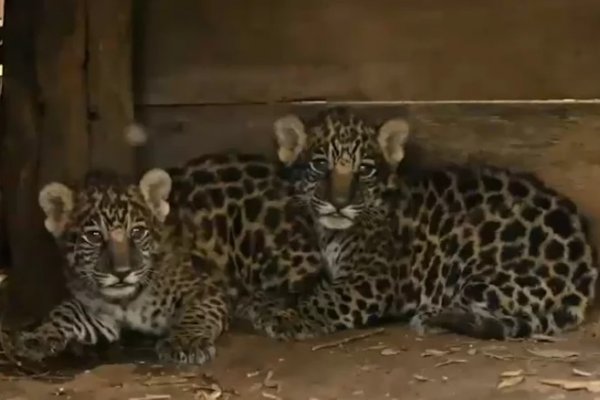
[(336, 223), (118, 292)]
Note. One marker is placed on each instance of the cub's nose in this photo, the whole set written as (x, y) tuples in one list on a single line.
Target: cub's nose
[(340, 201), (122, 272)]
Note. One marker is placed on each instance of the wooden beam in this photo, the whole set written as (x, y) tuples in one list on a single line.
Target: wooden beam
[(109, 80)]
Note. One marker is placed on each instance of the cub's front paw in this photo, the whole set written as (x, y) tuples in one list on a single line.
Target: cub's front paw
[(33, 346), (287, 325), (185, 350)]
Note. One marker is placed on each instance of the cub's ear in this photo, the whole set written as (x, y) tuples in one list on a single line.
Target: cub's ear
[(155, 186), (291, 138), (56, 200), (392, 138)]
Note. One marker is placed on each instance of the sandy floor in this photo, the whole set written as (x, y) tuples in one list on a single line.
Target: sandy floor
[(393, 364)]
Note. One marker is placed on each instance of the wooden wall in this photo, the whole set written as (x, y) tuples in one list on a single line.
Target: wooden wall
[(214, 51), (210, 77)]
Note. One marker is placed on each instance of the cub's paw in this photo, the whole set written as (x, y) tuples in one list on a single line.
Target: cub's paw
[(287, 325), (33, 346), (185, 350)]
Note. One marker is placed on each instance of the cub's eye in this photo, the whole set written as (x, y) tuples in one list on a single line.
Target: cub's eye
[(138, 232), (319, 165), (367, 170), (93, 236)]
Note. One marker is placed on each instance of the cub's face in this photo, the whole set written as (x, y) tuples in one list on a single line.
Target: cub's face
[(346, 160), (108, 231)]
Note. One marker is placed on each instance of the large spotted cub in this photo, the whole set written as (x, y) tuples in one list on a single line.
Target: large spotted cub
[(479, 251)]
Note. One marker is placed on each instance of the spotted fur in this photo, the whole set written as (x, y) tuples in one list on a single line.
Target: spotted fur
[(240, 210)]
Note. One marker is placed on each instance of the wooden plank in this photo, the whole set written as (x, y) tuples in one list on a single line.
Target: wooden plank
[(557, 142), (44, 139), (109, 82), (60, 54), (206, 51)]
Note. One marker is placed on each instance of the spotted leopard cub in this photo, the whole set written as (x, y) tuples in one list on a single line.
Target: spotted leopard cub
[(126, 268), (478, 251)]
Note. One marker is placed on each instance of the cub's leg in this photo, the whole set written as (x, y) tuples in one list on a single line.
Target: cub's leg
[(352, 302), (192, 338), (69, 321)]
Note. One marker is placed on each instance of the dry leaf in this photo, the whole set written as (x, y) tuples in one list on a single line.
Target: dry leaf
[(271, 396), (509, 374), (580, 372), (390, 352), (434, 353), (376, 347), (545, 338), (554, 353), (253, 374), (368, 367), (271, 384), (590, 386), (510, 382), (214, 392), (421, 378), (255, 387)]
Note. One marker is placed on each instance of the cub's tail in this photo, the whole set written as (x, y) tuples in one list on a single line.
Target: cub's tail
[(483, 324)]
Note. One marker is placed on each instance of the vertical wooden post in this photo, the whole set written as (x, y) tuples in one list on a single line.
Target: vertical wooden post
[(65, 60), (19, 135), (37, 126), (110, 87), (60, 62)]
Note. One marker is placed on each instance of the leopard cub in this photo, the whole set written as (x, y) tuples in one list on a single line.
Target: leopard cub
[(126, 267), (475, 250)]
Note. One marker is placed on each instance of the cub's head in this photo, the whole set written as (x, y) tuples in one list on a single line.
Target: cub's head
[(346, 161), (108, 230)]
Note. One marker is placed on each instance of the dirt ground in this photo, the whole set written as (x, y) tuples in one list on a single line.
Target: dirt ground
[(388, 364)]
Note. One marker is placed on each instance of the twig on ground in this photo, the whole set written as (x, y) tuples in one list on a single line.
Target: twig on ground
[(348, 339), (167, 380), (450, 361), (500, 357), (271, 396), (153, 397)]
